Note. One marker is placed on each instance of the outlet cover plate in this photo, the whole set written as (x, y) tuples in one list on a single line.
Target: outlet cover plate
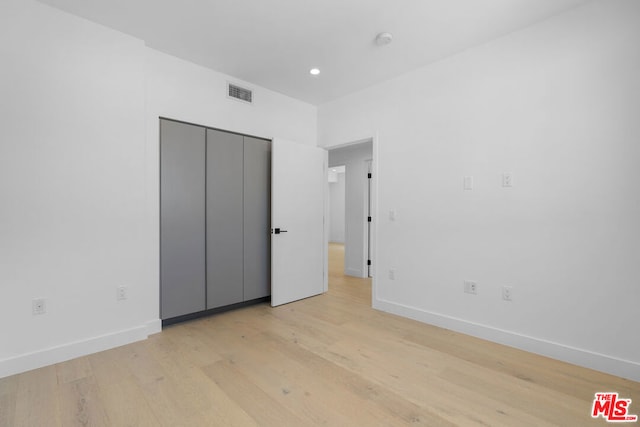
[(507, 293), (121, 293), (507, 179), (471, 287), (38, 306)]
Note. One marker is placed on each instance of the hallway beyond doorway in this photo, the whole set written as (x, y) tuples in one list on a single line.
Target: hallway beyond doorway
[(347, 286)]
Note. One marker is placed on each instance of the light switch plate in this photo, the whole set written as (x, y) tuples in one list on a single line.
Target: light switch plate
[(467, 183)]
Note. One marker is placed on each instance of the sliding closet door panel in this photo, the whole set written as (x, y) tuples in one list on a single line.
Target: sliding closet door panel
[(182, 219), (257, 218), (224, 218)]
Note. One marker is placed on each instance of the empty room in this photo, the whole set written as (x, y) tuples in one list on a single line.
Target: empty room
[(339, 213)]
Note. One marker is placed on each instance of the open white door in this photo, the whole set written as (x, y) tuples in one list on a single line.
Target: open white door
[(298, 184)]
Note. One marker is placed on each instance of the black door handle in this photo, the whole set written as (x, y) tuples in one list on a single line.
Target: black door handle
[(278, 231)]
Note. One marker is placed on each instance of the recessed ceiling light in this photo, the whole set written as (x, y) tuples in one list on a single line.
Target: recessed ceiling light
[(333, 170), (314, 71)]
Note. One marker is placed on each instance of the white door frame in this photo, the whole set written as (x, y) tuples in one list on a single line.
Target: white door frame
[(368, 208)]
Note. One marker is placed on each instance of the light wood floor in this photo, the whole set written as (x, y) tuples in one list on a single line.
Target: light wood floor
[(329, 360)]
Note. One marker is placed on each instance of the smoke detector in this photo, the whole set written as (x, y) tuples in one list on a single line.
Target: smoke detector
[(384, 38)]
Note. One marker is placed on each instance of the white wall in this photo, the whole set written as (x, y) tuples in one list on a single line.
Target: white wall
[(180, 90), (72, 223), (557, 104), (354, 157), (79, 176), (337, 209)]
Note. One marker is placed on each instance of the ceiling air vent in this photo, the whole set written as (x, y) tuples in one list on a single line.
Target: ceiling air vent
[(240, 93)]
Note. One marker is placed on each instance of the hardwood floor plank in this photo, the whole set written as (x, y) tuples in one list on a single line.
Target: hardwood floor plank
[(73, 370), (80, 404), (421, 385), (266, 410), (109, 366), (199, 398), (535, 394), (8, 398), (37, 402), (295, 387), (191, 347), (401, 408), (125, 405)]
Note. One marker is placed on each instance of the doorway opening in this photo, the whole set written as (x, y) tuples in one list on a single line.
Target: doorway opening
[(337, 214), (357, 158)]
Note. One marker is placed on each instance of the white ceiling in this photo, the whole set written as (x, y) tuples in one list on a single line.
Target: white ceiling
[(274, 43)]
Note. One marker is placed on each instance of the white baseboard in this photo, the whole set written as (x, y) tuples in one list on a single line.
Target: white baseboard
[(588, 359), (154, 327), (64, 352)]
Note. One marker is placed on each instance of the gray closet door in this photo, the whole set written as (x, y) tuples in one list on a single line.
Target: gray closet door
[(224, 218), (182, 219), (257, 218)]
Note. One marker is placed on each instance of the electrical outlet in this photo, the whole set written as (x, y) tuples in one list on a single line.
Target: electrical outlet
[(392, 274), (507, 293), (470, 287), (507, 179), (38, 306), (121, 294)]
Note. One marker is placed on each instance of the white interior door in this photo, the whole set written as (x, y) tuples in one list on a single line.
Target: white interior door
[(298, 244)]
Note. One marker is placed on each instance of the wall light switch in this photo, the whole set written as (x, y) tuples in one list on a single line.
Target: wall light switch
[(121, 293), (392, 215), (467, 182)]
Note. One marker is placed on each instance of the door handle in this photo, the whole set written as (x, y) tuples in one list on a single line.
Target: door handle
[(278, 231)]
